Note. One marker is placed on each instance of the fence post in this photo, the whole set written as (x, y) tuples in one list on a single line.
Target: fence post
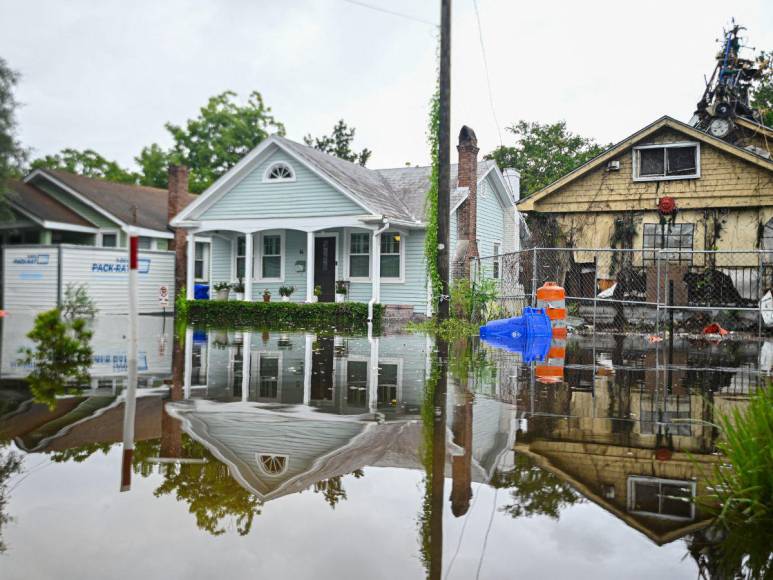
[(657, 292), (595, 304), (760, 271), (534, 278)]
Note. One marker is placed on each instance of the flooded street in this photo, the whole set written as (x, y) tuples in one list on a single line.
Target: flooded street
[(303, 455)]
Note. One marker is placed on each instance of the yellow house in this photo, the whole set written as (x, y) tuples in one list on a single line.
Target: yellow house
[(722, 192)]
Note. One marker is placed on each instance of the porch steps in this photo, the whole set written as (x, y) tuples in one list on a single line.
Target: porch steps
[(398, 312)]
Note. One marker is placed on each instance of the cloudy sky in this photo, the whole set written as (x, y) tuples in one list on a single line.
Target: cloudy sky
[(108, 74)]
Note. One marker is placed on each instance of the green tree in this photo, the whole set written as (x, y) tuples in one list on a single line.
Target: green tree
[(762, 94), (543, 153), (12, 155), (339, 143), (222, 134), (87, 162), (61, 357)]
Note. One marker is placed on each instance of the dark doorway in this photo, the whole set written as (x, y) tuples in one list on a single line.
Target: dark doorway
[(325, 267), (322, 363)]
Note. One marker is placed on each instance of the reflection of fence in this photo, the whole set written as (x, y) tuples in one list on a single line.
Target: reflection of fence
[(624, 288)]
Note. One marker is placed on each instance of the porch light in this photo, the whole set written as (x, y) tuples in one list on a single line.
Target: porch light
[(397, 237)]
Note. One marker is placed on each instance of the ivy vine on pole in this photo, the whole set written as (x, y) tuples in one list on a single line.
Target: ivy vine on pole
[(431, 239)]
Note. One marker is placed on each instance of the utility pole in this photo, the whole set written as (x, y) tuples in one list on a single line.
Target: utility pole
[(444, 157)]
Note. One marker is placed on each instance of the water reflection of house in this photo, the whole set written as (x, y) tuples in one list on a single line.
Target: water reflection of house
[(630, 431), (109, 360)]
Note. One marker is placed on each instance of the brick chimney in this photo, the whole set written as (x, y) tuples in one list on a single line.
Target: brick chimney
[(178, 199), (467, 232)]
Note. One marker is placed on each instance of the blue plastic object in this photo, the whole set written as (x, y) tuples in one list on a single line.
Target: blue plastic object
[(534, 322), (201, 291), (199, 337), (532, 348)]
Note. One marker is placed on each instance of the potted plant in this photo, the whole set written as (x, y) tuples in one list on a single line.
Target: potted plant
[(222, 290), (285, 292), (266, 295), (317, 293), (341, 290), (238, 288)]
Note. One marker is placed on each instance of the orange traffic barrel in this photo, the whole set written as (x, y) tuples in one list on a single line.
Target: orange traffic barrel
[(552, 369), (552, 298)]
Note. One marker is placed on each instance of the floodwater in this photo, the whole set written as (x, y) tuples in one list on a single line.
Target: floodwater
[(297, 455)]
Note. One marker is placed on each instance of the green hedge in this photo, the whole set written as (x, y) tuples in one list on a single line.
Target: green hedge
[(283, 315)]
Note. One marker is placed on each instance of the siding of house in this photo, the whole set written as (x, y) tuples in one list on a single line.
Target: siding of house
[(490, 221), (307, 196), (725, 181), (221, 260)]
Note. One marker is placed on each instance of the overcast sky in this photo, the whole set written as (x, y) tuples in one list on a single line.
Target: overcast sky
[(107, 74)]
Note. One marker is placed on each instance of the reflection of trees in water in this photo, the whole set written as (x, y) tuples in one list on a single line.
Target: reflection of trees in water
[(535, 491), (212, 495), (738, 552), (10, 464), (333, 490)]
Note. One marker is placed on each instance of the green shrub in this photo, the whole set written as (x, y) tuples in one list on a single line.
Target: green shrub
[(470, 299), (283, 315)]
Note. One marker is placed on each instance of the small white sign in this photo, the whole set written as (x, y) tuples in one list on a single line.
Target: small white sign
[(163, 296)]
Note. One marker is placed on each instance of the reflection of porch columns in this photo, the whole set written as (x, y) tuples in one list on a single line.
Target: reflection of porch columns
[(375, 268), (188, 362), (307, 363), (309, 265), (246, 359), (373, 375), (190, 267), (248, 243)]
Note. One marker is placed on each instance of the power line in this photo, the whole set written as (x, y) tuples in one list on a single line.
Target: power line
[(392, 12), (485, 68)]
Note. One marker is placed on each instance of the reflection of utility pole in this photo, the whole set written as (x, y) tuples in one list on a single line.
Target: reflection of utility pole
[(444, 157), (438, 463), (130, 400)]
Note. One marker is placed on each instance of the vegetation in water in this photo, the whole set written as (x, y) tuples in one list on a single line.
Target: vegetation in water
[(10, 465), (61, 356)]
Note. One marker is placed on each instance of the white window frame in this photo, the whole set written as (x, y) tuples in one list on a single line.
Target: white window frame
[(116, 233), (279, 355), (257, 263), (234, 255), (345, 377), (347, 253), (401, 279), (207, 261), (339, 252), (633, 479), (399, 363), (271, 167), (664, 146)]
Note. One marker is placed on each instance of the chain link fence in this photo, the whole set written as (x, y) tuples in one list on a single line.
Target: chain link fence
[(652, 289)]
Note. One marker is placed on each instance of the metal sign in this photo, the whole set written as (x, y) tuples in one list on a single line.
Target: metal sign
[(163, 296)]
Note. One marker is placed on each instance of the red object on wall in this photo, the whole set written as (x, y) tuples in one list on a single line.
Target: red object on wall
[(663, 454), (666, 205)]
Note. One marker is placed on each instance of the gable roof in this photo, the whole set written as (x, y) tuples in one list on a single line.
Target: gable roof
[(527, 204), (118, 200), (758, 128), (397, 193), (31, 201)]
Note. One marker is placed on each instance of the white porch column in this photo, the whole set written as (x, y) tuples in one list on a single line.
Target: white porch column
[(248, 251), (188, 369), (375, 272), (307, 364), (373, 376), (309, 265), (190, 267), (246, 360)]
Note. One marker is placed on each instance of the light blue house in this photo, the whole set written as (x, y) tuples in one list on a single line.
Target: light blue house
[(290, 215)]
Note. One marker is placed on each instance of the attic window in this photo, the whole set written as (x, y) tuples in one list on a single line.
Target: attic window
[(279, 172), (271, 464), (670, 161)]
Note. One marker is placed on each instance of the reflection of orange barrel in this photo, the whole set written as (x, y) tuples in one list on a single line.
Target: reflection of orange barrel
[(552, 370), (552, 298)]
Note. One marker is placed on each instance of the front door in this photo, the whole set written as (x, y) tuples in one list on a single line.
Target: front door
[(325, 267)]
